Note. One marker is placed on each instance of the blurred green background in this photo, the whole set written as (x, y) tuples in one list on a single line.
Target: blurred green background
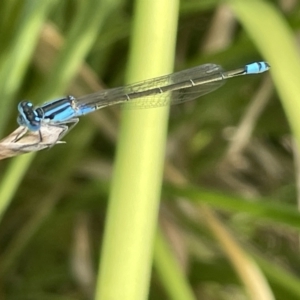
[(228, 221)]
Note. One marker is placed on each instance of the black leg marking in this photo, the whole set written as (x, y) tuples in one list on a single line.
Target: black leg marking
[(20, 135), (65, 129)]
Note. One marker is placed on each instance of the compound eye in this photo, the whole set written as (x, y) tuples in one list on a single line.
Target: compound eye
[(28, 116)]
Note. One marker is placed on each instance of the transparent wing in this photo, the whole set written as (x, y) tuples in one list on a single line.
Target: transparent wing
[(171, 89)]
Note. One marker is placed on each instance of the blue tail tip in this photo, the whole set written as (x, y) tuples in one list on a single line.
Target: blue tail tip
[(257, 67)]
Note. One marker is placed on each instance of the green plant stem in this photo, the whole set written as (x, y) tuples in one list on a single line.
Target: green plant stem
[(126, 259)]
